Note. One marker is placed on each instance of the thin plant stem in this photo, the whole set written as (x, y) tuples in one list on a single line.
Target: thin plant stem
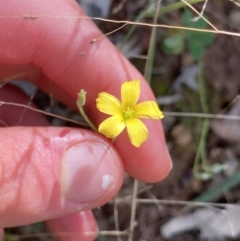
[(201, 115), (204, 105), (85, 117), (133, 27), (202, 11), (201, 152), (151, 48), (199, 15), (133, 210), (187, 203), (116, 217), (223, 32), (42, 112)]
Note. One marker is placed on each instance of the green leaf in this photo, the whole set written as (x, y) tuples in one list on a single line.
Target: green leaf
[(187, 20), (196, 41), (196, 50), (217, 191), (173, 44)]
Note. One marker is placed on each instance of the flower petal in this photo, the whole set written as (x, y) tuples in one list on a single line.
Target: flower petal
[(148, 109), (130, 92), (137, 131), (108, 104), (112, 126)]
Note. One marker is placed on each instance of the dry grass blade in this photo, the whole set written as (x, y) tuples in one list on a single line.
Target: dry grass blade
[(134, 23), (183, 203), (133, 210), (116, 216), (200, 15), (201, 115), (43, 112), (151, 48), (113, 233)]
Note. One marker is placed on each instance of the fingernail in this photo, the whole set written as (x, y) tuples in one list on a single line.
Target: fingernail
[(89, 172)]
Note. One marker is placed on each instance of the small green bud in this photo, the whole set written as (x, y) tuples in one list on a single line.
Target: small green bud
[(81, 98)]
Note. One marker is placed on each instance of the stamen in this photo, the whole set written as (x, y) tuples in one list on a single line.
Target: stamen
[(128, 113)]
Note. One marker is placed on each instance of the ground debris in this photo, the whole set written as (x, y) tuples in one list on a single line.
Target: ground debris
[(213, 223)]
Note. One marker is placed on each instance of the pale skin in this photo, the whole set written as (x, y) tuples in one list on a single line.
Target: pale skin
[(33, 181)]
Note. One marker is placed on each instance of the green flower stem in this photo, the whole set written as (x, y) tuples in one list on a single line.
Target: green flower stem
[(201, 152), (85, 117), (151, 48), (81, 100), (204, 104)]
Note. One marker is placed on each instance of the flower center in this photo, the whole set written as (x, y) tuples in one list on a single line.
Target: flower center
[(128, 113)]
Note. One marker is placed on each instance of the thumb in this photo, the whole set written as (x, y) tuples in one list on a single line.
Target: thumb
[(49, 172), (38, 181)]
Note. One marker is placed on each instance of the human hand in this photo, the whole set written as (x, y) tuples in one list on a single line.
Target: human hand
[(49, 173)]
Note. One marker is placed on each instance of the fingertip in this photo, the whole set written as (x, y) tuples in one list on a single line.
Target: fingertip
[(151, 162), (72, 169), (74, 227)]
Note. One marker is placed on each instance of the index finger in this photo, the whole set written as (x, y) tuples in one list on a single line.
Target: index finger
[(54, 44)]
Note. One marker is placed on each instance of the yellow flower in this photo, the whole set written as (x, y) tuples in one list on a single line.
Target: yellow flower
[(127, 113)]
